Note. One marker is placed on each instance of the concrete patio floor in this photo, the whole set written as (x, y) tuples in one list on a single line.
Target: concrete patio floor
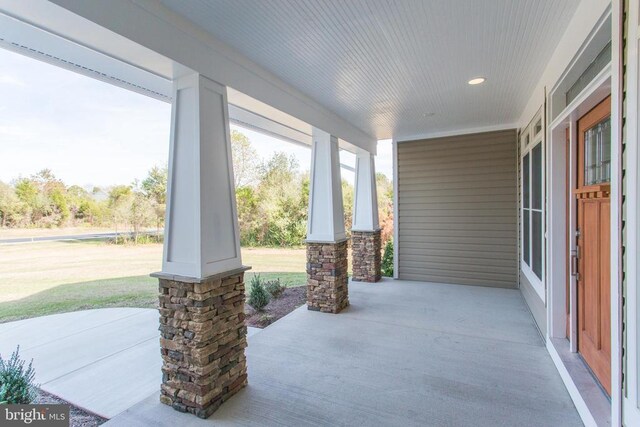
[(103, 360), (403, 353)]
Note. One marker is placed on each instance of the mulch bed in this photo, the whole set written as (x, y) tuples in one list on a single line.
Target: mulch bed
[(290, 299), (79, 417)]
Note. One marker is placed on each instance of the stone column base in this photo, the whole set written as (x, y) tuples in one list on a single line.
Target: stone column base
[(327, 280), (366, 249), (202, 340)]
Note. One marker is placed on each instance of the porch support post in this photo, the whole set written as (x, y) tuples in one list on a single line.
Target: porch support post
[(327, 279), (203, 336), (365, 233)]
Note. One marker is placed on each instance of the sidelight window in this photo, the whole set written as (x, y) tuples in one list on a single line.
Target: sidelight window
[(532, 203)]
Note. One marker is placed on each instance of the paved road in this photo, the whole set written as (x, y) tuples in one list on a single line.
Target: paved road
[(62, 238)]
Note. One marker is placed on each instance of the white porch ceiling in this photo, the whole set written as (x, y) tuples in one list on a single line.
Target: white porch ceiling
[(386, 65)]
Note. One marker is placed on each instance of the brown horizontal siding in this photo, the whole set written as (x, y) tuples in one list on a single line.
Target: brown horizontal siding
[(471, 152), (463, 184), (460, 221), (417, 247), (457, 210), (486, 171), (456, 280)]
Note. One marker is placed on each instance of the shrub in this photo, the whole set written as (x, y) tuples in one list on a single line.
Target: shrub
[(275, 288), (258, 296), (16, 383), (387, 260)]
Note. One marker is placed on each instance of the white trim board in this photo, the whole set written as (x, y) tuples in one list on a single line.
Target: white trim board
[(29, 40), (591, 95), (396, 233), (459, 132), (584, 391), (630, 402)]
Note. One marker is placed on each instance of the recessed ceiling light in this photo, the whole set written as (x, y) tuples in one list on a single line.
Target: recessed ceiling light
[(428, 114), (477, 80)]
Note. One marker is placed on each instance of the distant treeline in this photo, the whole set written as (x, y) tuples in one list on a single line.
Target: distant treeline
[(44, 201), (272, 200)]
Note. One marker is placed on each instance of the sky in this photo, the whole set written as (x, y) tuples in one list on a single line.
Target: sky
[(91, 133)]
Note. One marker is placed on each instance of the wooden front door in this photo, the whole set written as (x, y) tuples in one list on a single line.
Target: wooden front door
[(593, 241)]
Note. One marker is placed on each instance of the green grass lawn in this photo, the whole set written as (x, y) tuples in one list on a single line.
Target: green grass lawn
[(37, 279)]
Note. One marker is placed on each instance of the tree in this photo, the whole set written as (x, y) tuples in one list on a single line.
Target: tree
[(35, 202), (59, 204), (11, 208), (347, 202), (141, 213), (385, 206), (245, 160), (119, 193), (120, 200), (45, 197), (78, 200), (283, 201), (154, 187), (247, 203)]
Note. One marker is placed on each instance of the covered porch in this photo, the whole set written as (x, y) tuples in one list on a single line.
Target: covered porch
[(482, 102), (403, 353)]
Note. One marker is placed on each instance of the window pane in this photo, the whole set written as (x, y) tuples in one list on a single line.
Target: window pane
[(536, 243), (525, 181), (605, 151), (597, 153), (538, 127), (536, 177), (590, 160), (525, 236)]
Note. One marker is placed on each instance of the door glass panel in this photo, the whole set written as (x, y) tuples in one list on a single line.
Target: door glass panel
[(536, 177), (536, 243), (525, 236), (597, 153)]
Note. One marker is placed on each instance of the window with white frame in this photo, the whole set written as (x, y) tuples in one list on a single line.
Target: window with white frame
[(532, 206)]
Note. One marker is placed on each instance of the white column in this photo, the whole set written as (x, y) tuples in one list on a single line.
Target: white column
[(201, 227), (326, 212), (365, 200)]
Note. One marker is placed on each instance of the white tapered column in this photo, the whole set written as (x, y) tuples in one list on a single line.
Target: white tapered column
[(326, 212), (201, 236), (326, 238), (365, 200), (365, 232), (201, 286)]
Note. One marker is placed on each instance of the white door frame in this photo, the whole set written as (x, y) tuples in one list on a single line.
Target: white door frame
[(607, 82), (631, 399), (557, 231)]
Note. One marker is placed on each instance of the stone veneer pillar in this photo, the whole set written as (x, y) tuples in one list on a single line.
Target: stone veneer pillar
[(327, 280), (202, 341), (366, 247)]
